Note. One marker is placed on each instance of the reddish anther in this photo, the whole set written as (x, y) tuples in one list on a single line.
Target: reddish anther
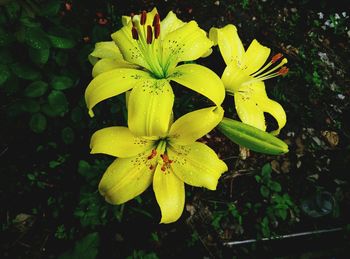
[(153, 154), (151, 167), (143, 18), (134, 33), (149, 34), (156, 31), (156, 19), (276, 57), (163, 168), (283, 71)]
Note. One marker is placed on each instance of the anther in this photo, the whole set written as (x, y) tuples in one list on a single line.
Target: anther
[(156, 31), (163, 168), (153, 154), (151, 167), (143, 18), (134, 33), (276, 57), (149, 34), (283, 71), (156, 20)]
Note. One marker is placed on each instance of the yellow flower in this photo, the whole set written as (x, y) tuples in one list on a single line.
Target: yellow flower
[(145, 59), (244, 75), (168, 162)]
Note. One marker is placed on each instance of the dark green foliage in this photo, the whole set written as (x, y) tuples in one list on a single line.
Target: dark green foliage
[(86, 247)]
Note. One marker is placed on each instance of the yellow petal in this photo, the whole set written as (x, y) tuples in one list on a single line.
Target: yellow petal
[(200, 79), (230, 45), (106, 64), (125, 179), (125, 20), (269, 106), (110, 84), (170, 23), (187, 43), (248, 111), (255, 57), (197, 165), (119, 142), (129, 47), (194, 125), (149, 108), (105, 49), (233, 78), (170, 194)]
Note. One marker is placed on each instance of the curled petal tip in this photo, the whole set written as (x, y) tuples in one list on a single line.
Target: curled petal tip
[(91, 113)]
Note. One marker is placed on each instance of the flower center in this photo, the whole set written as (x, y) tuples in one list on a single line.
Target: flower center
[(262, 74), (147, 38), (158, 156)]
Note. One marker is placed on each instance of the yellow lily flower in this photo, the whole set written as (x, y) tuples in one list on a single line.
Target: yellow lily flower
[(244, 75), (155, 48), (168, 162)]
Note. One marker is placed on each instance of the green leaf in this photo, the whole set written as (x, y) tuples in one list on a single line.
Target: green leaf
[(275, 186), (266, 171), (86, 248), (281, 213), (58, 102), (5, 37), (61, 82), (25, 71), (83, 167), (39, 56), (36, 38), (264, 191), (67, 135), (13, 10), (30, 105), (37, 123), (36, 89), (252, 138), (61, 57), (61, 38), (5, 56), (48, 110), (258, 178), (5, 74), (61, 42), (50, 8)]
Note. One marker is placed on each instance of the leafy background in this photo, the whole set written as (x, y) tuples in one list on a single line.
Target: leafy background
[(50, 206)]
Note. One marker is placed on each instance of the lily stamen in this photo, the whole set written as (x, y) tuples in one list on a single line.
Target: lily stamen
[(268, 74), (276, 57), (143, 17), (149, 34), (152, 155), (135, 34)]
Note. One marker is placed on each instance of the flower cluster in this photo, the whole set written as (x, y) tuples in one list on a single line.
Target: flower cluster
[(146, 55)]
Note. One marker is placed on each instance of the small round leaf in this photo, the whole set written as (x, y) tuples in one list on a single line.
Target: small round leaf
[(36, 89), (38, 123), (67, 135), (58, 102), (61, 82)]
